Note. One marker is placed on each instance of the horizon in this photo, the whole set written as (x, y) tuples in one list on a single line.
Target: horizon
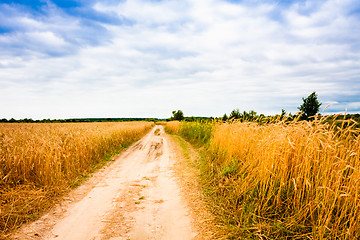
[(158, 118)]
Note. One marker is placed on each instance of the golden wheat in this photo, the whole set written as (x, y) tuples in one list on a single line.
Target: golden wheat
[(172, 127), (306, 173), (40, 161), (279, 180)]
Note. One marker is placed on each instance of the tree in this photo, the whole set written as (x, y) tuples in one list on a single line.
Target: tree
[(252, 115), (235, 114), (283, 114), (310, 106), (225, 117), (177, 115)]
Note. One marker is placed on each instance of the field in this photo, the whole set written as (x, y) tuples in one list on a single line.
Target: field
[(41, 161), (282, 180), (277, 180)]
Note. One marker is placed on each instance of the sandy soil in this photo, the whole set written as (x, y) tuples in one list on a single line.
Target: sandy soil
[(137, 197)]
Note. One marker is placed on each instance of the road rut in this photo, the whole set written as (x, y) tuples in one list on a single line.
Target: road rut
[(136, 197)]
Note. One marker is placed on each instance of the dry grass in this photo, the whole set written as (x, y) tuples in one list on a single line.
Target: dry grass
[(163, 123), (40, 162), (172, 127), (298, 180)]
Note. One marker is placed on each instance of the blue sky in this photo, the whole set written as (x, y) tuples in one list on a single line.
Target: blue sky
[(146, 58)]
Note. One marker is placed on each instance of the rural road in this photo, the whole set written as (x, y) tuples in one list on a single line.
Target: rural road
[(136, 197)]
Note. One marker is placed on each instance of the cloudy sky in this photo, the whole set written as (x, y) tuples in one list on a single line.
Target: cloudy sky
[(146, 58)]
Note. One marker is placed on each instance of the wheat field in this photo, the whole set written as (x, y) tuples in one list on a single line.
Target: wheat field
[(41, 161), (298, 180)]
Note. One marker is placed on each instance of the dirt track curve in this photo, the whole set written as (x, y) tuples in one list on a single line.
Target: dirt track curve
[(136, 197)]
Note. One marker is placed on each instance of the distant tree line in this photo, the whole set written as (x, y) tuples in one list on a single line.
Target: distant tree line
[(179, 116), (308, 109), (307, 112), (76, 120)]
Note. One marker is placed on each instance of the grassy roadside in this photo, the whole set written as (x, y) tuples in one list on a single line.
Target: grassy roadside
[(279, 181), (187, 169), (41, 162), (195, 155)]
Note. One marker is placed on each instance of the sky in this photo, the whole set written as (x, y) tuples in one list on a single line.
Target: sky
[(146, 58)]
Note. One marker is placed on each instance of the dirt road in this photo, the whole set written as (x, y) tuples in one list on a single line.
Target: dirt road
[(136, 197)]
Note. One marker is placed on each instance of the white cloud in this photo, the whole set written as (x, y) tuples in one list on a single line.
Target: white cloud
[(46, 38), (205, 57), (354, 105), (29, 23), (146, 12)]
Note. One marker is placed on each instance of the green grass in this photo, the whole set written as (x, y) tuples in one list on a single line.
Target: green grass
[(197, 133), (267, 181), (183, 147)]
